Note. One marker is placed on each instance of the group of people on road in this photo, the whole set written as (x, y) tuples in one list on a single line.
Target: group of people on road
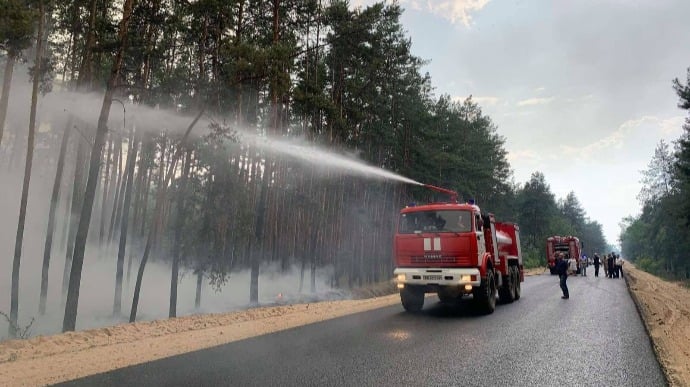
[(613, 267)]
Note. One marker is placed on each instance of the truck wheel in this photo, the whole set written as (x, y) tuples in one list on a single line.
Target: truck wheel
[(507, 291), (518, 289), (485, 294), (412, 298)]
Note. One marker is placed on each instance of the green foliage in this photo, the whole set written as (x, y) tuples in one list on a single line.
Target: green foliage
[(572, 211), (536, 210), (649, 265), (540, 217), (17, 23), (659, 238), (683, 92), (532, 257), (682, 162), (657, 179), (315, 71)]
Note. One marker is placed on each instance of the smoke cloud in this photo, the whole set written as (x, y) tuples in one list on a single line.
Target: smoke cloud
[(98, 278)]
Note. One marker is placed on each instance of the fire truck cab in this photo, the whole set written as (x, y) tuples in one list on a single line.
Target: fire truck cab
[(453, 250)]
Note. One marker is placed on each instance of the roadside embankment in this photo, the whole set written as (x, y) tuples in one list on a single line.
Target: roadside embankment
[(665, 310)]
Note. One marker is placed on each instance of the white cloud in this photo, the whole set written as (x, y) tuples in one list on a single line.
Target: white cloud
[(453, 10), (603, 172), (672, 126), (360, 3), (612, 141), (416, 5), (581, 99), (486, 100), (629, 135), (524, 155), (535, 101)]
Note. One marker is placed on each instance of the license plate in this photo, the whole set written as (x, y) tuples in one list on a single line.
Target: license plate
[(431, 277)]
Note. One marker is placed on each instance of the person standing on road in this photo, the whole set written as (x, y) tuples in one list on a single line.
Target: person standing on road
[(605, 262), (616, 271), (572, 264), (597, 262), (619, 266), (562, 270), (583, 265), (611, 265)]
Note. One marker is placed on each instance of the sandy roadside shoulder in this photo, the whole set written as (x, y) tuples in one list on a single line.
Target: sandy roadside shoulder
[(665, 310), (52, 359)]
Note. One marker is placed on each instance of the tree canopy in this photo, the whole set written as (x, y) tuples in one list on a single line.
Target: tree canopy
[(307, 74), (658, 239)]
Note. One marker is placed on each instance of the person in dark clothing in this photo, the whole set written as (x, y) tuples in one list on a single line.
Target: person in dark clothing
[(596, 262), (611, 265), (619, 266), (616, 272), (562, 270)]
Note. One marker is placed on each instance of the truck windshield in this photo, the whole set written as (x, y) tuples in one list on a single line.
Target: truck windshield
[(435, 221)]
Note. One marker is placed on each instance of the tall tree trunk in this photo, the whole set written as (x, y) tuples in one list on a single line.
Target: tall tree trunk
[(76, 28), (160, 200), (117, 206), (258, 235), (301, 274), (150, 39), (181, 213), (70, 319), (116, 179), (18, 149), (75, 209), (67, 211), (106, 186), (312, 262), (14, 301), (6, 83), (131, 256), (199, 279), (145, 201), (161, 179), (51, 218), (86, 68), (131, 157)]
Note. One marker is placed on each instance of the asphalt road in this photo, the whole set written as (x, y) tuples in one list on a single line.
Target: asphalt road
[(595, 338)]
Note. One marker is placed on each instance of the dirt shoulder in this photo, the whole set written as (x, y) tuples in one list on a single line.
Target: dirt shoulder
[(51, 359), (665, 310)]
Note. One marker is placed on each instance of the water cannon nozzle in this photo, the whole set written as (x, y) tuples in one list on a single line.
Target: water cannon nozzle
[(453, 194)]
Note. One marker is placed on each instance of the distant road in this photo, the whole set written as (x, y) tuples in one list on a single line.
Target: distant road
[(595, 338)]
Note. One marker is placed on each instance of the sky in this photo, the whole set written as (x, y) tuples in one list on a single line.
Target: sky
[(581, 90)]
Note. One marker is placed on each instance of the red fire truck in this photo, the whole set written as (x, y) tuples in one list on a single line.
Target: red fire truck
[(454, 250), (569, 245)]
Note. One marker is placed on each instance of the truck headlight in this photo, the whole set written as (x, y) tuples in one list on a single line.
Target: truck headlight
[(401, 278), (466, 278)]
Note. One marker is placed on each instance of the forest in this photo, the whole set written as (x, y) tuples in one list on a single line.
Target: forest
[(240, 146), (658, 239)]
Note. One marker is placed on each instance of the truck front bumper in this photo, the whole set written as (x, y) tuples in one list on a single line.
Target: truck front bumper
[(437, 276)]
